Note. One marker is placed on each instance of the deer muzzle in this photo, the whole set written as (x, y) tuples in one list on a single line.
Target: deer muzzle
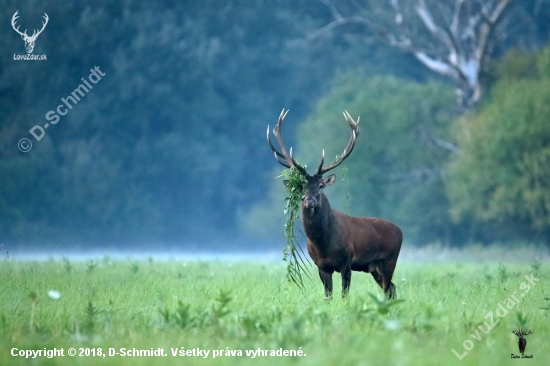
[(310, 202)]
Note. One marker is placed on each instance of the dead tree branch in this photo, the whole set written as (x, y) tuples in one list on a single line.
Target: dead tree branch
[(449, 38)]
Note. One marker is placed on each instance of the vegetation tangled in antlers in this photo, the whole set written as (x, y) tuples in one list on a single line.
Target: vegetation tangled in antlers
[(336, 242), (293, 252)]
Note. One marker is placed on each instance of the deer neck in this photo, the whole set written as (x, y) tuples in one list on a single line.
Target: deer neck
[(318, 221)]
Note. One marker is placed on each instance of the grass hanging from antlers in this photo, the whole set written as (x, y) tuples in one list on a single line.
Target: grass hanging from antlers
[(293, 252)]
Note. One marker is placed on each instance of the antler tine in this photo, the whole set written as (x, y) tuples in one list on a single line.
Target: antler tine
[(277, 154), (520, 332), (320, 168), (354, 125), (282, 157), (286, 162), (277, 131), (296, 165), (349, 148), (13, 21), (46, 18)]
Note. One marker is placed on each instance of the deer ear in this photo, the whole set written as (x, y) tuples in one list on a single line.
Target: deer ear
[(330, 180), (285, 182)]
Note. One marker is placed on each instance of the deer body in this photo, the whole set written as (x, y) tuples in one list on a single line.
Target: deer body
[(335, 241), (354, 241), (340, 243)]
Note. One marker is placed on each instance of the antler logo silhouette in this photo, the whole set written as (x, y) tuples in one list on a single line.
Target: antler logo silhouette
[(29, 40), (522, 342)]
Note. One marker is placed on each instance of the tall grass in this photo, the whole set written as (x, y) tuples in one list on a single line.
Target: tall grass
[(245, 306)]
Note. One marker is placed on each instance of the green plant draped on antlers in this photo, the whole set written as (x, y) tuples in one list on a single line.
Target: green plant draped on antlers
[(293, 253)]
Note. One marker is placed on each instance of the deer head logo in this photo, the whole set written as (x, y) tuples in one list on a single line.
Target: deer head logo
[(522, 343), (29, 40)]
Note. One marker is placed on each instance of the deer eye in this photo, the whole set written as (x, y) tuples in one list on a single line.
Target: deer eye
[(321, 185)]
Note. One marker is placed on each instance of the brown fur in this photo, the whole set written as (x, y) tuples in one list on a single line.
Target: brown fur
[(336, 241), (341, 243)]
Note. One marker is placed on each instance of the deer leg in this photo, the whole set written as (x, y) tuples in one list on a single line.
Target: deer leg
[(346, 280), (391, 292), (326, 278), (387, 273), (377, 277)]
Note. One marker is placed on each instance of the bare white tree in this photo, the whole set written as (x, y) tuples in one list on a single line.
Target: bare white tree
[(449, 37)]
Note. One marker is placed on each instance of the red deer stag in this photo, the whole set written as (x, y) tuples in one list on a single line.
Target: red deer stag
[(522, 342), (336, 241)]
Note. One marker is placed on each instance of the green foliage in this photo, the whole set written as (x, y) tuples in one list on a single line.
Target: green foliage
[(91, 312), (384, 305), (166, 146), (34, 298), (67, 265), (503, 177), (521, 320), (396, 168), (181, 315), (515, 65), (245, 307), (91, 265), (297, 267), (220, 309), (134, 267), (184, 317)]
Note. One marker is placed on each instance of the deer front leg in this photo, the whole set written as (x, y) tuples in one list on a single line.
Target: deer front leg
[(326, 278), (346, 280)]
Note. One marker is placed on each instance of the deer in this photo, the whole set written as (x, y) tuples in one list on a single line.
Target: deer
[(522, 342), (29, 40), (337, 242)]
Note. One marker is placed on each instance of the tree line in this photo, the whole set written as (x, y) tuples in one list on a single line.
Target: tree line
[(170, 145), (441, 174)]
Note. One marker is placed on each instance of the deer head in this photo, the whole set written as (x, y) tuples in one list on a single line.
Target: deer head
[(315, 183), (29, 40)]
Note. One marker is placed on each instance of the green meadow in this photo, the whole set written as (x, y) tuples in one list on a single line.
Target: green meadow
[(247, 313)]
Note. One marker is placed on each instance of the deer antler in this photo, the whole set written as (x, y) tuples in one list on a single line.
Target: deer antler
[(520, 332), (24, 34), (349, 148), (34, 34), (13, 19), (287, 159)]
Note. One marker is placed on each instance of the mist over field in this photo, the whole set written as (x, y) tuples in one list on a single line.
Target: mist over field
[(409, 255)]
